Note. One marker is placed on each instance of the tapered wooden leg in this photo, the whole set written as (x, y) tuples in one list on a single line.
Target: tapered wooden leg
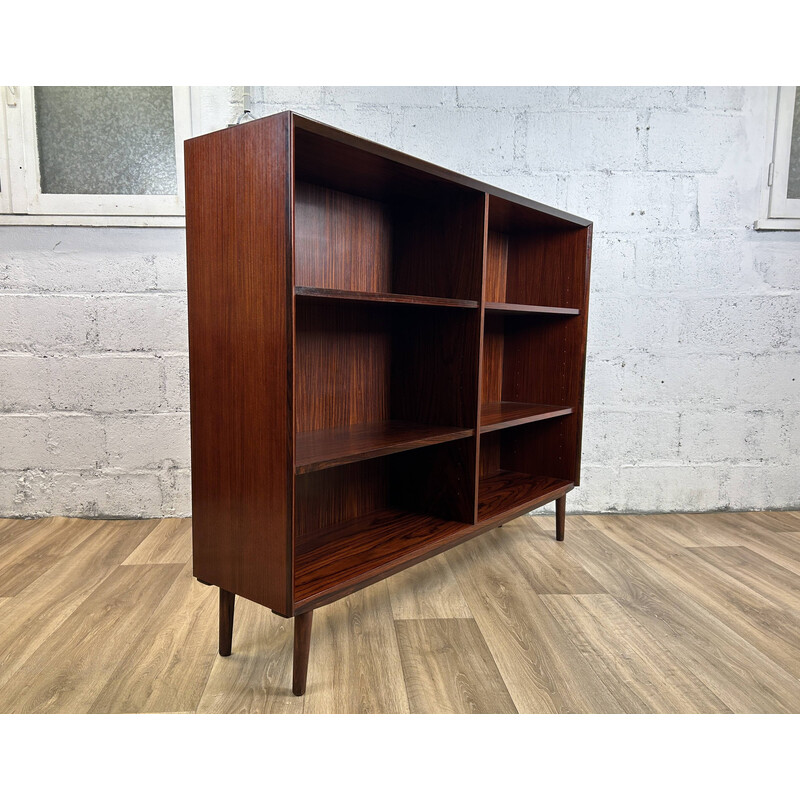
[(226, 604), (561, 513), (302, 644)]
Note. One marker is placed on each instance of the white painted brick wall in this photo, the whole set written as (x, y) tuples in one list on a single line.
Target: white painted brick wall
[(693, 375)]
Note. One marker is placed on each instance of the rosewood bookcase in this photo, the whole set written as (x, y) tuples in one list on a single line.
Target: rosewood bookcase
[(386, 358)]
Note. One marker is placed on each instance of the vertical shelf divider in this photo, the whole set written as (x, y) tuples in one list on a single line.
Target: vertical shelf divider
[(482, 312)]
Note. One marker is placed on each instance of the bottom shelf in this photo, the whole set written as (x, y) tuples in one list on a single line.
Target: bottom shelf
[(504, 492), (363, 549), (356, 550)]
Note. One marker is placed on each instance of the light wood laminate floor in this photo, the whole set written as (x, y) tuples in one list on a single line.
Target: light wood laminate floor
[(672, 613)]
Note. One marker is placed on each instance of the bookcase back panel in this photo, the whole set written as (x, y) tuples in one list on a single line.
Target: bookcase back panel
[(358, 363), (435, 366), (496, 266), (439, 247), (547, 268), (342, 364), (402, 245), (342, 241), (539, 448), (436, 481), (542, 448), (542, 360), (493, 348), (333, 496), (534, 260)]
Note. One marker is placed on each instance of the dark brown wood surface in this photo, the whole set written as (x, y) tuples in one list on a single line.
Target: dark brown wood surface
[(343, 364), (238, 242), (409, 342), (561, 511), (506, 493), (347, 557), (332, 447), (302, 647), (506, 414), (227, 605), (518, 308), (383, 297)]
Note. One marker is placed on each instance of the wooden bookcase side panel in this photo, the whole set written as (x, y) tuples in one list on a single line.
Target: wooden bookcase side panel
[(585, 259), (238, 235)]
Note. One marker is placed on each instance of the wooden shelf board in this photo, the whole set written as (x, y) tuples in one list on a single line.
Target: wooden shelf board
[(495, 416), (383, 297), (353, 552), (517, 308), (345, 557), (315, 450), (506, 493)]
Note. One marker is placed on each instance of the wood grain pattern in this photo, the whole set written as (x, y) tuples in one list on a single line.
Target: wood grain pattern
[(447, 666), (342, 241), (505, 493), (547, 569), (173, 655), (257, 677), (355, 663), (344, 556), (39, 610), (646, 677), (91, 641), (22, 562), (711, 650), (332, 447), (383, 297), (619, 618), (773, 629), (711, 530), (495, 416), (170, 542), (519, 308), (540, 665), (343, 363), (760, 574), (240, 296), (427, 590)]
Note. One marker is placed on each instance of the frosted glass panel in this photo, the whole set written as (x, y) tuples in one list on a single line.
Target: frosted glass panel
[(106, 139), (793, 191)]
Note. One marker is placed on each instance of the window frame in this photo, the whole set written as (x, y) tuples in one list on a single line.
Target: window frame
[(779, 212), (23, 203)]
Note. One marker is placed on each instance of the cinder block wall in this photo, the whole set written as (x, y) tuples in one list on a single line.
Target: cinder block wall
[(693, 397)]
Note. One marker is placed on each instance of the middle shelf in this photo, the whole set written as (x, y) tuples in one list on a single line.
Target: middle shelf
[(322, 449), (504, 414)]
